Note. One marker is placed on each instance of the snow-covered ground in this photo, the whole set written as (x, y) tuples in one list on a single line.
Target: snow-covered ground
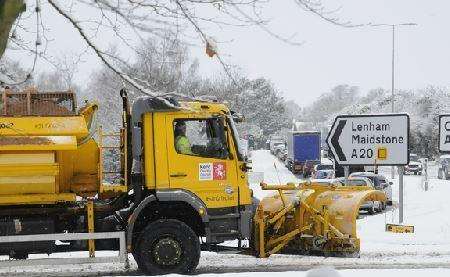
[(426, 252)]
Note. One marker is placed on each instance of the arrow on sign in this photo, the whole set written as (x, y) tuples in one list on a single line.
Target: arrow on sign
[(335, 140)]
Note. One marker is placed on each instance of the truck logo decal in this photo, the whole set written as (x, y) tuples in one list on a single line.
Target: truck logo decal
[(219, 171), (212, 171), (205, 171)]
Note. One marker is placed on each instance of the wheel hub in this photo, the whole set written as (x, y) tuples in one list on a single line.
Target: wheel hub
[(167, 252)]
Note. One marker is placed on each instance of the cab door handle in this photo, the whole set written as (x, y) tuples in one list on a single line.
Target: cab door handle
[(179, 174)]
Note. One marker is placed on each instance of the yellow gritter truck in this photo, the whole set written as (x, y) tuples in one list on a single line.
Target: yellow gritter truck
[(182, 186)]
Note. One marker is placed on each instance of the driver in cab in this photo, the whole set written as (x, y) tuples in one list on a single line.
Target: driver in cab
[(182, 144)]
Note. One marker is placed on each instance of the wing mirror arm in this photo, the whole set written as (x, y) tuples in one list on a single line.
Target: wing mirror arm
[(245, 167)]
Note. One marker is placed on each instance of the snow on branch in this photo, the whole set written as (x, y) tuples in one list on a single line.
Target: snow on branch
[(316, 7)]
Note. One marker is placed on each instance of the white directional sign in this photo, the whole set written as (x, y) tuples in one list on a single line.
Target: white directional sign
[(370, 139), (444, 133)]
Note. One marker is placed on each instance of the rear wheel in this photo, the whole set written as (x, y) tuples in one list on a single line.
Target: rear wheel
[(167, 246)]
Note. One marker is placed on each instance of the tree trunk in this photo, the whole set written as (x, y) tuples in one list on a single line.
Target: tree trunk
[(9, 11)]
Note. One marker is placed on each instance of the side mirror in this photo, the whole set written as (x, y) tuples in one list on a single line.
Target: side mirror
[(237, 117)]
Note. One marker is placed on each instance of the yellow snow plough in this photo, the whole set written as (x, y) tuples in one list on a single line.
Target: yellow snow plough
[(182, 186), (310, 218)]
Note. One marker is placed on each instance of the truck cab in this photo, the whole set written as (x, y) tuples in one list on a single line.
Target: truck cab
[(186, 157)]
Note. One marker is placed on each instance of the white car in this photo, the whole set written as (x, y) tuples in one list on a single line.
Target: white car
[(323, 174), (371, 207), (279, 147), (414, 166), (379, 182)]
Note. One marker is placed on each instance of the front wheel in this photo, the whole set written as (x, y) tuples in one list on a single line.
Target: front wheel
[(167, 246)]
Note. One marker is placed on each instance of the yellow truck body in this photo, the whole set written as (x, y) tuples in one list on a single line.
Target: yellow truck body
[(53, 168)]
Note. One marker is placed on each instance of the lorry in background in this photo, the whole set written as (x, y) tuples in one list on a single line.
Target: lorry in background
[(303, 152)]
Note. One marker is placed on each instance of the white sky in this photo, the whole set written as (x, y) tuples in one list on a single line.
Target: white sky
[(331, 55)]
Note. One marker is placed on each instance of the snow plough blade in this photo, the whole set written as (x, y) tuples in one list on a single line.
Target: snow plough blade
[(310, 218)]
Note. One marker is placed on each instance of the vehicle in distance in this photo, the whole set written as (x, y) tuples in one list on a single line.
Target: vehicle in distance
[(371, 207), (443, 167), (278, 148), (323, 167), (414, 166), (303, 152), (379, 182), (282, 155), (323, 174)]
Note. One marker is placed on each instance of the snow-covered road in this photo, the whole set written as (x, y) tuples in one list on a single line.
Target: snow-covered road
[(426, 252)]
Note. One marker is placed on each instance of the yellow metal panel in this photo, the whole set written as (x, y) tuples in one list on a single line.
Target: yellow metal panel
[(85, 165), (66, 163), (19, 180), (27, 143), (27, 184), (86, 159), (161, 155), (149, 165), (29, 199), (22, 189), (29, 158), (45, 126), (29, 169)]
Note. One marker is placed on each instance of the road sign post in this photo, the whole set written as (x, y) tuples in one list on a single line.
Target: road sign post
[(372, 139), (425, 173), (400, 194)]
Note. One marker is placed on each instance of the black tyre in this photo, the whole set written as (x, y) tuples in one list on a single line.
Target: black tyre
[(167, 246)]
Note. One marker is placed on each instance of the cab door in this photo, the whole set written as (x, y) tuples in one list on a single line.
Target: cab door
[(208, 170)]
